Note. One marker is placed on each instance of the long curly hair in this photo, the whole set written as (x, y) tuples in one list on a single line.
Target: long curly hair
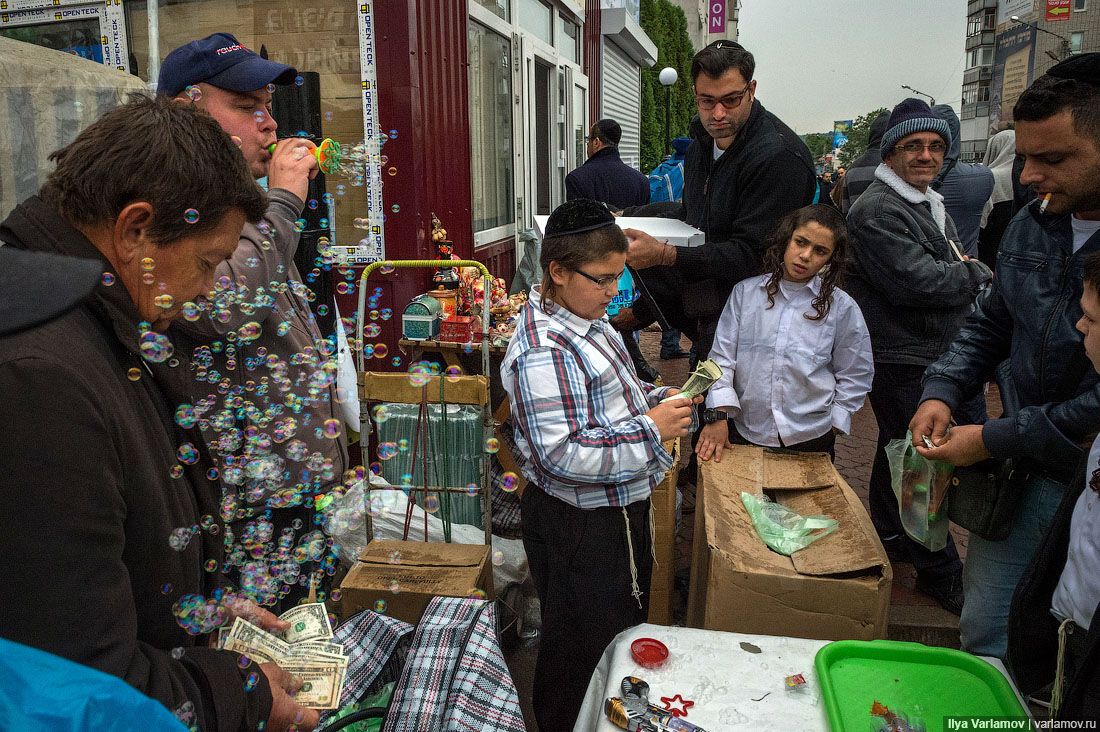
[(831, 274)]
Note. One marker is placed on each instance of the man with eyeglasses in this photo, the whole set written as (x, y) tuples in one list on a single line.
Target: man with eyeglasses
[(915, 288), (744, 170)]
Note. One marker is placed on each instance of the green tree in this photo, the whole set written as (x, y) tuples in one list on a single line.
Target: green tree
[(820, 144), (666, 26), (857, 137)]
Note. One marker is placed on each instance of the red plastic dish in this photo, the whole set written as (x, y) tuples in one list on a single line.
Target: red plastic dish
[(649, 652)]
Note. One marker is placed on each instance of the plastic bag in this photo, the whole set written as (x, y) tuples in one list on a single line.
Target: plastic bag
[(782, 529), (920, 486)]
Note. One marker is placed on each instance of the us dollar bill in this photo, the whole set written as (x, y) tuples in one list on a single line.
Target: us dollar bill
[(307, 623), (321, 683), (244, 637), (701, 379)]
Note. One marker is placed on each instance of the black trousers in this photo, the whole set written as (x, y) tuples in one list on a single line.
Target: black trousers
[(825, 443), (581, 569), (895, 395)]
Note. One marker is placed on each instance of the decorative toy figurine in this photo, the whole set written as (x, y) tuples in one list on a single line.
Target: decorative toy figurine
[(445, 277), (327, 154)]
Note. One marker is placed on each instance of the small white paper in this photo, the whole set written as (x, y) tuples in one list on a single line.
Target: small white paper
[(674, 231)]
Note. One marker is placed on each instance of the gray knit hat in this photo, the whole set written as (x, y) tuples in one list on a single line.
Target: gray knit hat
[(912, 115)]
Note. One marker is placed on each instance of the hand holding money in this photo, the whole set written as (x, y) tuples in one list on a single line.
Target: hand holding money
[(285, 711), (305, 651), (704, 376)]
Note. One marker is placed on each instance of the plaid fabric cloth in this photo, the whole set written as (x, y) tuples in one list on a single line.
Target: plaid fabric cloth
[(371, 643), (505, 504), (455, 679)]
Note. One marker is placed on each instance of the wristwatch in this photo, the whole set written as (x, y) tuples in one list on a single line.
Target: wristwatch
[(710, 416)]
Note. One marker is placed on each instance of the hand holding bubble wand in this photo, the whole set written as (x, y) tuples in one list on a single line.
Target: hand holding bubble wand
[(328, 155)]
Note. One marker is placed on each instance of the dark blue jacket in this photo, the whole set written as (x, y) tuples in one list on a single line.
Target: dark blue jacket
[(766, 173), (606, 178), (965, 187), (1029, 317)]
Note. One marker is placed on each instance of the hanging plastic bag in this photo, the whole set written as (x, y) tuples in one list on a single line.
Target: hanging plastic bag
[(920, 486), (782, 529)]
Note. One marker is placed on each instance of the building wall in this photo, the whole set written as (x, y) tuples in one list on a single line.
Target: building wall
[(697, 14)]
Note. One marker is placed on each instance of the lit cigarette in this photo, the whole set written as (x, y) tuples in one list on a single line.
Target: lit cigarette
[(1045, 203)]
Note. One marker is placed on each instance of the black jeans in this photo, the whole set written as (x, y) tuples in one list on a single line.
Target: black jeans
[(895, 395), (579, 563)]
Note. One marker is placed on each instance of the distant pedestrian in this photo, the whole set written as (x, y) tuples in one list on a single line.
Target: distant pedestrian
[(666, 181), (604, 177), (861, 173), (1000, 208), (965, 187)]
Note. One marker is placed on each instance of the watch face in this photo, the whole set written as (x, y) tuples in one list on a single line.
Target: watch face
[(710, 416)]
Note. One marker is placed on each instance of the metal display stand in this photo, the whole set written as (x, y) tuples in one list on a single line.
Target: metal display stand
[(441, 390)]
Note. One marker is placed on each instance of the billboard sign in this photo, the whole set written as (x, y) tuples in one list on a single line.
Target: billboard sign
[(717, 14), (1013, 65), (841, 128)]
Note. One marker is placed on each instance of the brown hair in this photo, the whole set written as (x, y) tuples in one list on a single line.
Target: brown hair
[(171, 155), (576, 250), (831, 273)]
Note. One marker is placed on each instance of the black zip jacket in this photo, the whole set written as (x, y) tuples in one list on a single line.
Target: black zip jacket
[(89, 445), (737, 200)]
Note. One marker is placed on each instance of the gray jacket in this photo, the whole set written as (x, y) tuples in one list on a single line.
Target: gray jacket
[(913, 290), (273, 373)]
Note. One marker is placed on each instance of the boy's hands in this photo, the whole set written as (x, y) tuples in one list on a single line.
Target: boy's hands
[(674, 418), (713, 439)]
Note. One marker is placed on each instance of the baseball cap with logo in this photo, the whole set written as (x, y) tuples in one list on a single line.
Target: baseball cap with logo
[(222, 61)]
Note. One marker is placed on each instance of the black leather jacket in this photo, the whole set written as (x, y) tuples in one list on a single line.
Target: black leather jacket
[(1029, 317)]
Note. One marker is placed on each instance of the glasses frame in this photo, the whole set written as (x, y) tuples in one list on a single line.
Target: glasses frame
[(601, 282), (710, 104), (923, 147)]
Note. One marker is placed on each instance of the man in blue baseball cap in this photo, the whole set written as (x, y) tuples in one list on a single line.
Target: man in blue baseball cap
[(259, 313)]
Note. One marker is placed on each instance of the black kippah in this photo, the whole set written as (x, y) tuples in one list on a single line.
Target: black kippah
[(577, 217), (1083, 67)]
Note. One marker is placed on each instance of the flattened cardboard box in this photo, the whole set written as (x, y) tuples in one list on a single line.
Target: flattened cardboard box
[(836, 588), (423, 571), (664, 542)]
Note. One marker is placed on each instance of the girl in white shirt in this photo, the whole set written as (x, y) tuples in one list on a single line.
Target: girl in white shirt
[(793, 347)]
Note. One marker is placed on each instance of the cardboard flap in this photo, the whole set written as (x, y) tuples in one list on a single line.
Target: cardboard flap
[(853, 547), (796, 471), (845, 550), (417, 554)]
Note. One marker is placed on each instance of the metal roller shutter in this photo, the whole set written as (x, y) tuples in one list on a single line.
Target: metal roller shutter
[(621, 99)]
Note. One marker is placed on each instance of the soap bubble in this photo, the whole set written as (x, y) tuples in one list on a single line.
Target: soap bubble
[(509, 482), (191, 216), (492, 445), (108, 279), (379, 606), (193, 93)]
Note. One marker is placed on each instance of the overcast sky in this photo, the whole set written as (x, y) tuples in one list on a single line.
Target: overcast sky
[(824, 60)]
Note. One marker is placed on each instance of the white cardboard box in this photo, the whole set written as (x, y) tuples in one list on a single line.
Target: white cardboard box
[(673, 231)]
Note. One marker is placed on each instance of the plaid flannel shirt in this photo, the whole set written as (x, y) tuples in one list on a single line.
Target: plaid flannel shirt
[(578, 409)]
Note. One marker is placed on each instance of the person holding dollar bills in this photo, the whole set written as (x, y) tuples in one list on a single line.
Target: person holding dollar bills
[(793, 348), (589, 436)]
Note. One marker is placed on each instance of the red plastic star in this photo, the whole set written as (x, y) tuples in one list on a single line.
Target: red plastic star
[(682, 705)]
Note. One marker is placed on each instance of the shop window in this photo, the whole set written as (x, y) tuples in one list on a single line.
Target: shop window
[(1080, 5), (492, 173), (568, 40), (536, 18), (498, 7)]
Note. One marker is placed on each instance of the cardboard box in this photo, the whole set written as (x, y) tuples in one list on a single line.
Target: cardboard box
[(673, 231), (662, 581), (422, 571), (836, 588)]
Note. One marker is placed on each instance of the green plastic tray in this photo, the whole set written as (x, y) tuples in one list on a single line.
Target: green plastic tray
[(921, 681)]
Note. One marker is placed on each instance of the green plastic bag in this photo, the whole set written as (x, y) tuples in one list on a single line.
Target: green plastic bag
[(782, 529), (920, 486)]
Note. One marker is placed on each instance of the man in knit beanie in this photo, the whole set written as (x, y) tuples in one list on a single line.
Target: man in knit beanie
[(915, 289)]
